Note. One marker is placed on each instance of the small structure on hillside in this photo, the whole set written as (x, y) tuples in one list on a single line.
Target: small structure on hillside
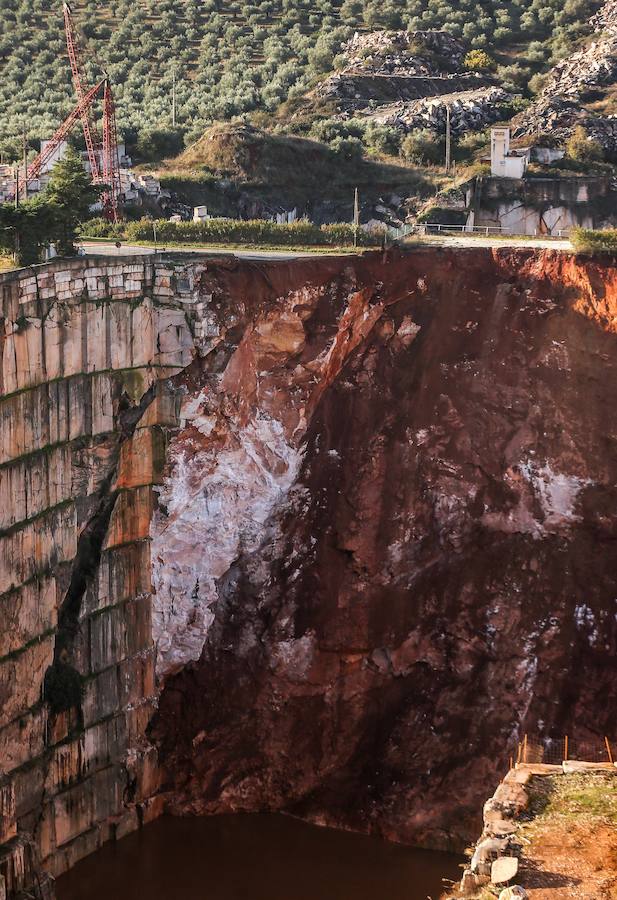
[(506, 163)]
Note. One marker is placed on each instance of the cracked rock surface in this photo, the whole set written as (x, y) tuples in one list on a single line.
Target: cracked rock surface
[(385, 540)]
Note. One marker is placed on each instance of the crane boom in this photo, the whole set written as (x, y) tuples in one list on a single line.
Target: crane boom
[(36, 166), (91, 137)]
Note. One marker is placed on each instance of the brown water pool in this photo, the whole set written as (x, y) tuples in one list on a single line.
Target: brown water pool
[(255, 857)]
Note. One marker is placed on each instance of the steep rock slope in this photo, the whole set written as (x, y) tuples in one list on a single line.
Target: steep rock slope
[(385, 540)]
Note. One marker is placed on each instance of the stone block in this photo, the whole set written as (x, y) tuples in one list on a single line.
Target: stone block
[(73, 812), (21, 679), (123, 573), (120, 632), (27, 613), (100, 696), (23, 739), (142, 459), (8, 820), (137, 721), (130, 520), (97, 357), (32, 548), (29, 783), (136, 677), (125, 824), (66, 766), (152, 809)]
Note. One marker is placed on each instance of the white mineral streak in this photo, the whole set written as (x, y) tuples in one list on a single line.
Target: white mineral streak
[(214, 505), (555, 493), (225, 484)]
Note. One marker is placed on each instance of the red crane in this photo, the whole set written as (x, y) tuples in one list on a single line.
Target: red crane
[(91, 137), (103, 157), (111, 161), (36, 166)]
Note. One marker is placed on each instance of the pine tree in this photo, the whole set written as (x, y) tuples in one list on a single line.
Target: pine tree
[(71, 194)]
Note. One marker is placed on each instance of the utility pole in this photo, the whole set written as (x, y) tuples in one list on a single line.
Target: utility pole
[(25, 162), (448, 141), (173, 98), (17, 207), (356, 217)]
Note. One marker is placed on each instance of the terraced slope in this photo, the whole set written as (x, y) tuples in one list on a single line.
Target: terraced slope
[(231, 56)]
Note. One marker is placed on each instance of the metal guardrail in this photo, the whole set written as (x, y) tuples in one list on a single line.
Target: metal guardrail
[(487, 230)]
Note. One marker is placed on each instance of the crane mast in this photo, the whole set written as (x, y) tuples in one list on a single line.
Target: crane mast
[(91, 137), (102, 156)]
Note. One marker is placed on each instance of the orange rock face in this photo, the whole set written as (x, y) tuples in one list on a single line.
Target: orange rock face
[(386, 536)]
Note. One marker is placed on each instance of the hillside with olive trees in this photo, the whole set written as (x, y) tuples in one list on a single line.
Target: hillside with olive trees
[(235, 57)]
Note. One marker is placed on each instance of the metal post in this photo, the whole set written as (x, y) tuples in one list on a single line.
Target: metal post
[(356, 217), (154, 231), (525, 749), (448, 141), (608, 749), (565, 747), (25, 162)]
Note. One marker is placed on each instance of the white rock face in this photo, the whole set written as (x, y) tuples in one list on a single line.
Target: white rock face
[(213, 506)]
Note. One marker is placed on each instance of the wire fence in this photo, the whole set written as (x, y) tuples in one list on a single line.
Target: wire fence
[(555, 751), (485, 230)]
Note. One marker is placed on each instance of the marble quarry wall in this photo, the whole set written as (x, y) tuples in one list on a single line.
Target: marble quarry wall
[(84, 351), (322, 536)]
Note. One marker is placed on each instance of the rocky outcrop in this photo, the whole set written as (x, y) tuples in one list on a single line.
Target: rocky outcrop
[(425, 53), (560, 106), (360, 91), (397, 76), (394, 488), (469, 111)]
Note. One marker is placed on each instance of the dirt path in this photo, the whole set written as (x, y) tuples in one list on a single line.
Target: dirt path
[(579, 863)]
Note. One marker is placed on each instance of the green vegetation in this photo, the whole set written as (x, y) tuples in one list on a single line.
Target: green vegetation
[(257, 232), (239, 56), (582, 149), (587, 241), (479, 60), (290, 171), (573, 798), (53, 216)]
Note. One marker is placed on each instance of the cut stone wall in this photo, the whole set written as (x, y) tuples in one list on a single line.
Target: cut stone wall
[(85, 349), (543, 205)]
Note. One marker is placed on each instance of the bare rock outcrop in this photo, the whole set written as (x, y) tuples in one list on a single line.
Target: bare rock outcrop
[(409, 471), (560, 106)]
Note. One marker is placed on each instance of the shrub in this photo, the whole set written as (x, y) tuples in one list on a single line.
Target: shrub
[(582, 149), (256, 231), (101, 228), (382, 139), (479, 60), (423, 147), (587, 241)]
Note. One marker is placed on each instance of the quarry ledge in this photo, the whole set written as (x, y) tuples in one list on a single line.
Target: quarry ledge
[(338, 531)]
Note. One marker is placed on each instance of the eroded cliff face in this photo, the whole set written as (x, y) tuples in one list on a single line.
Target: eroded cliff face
[(357, 513), (385, 541)]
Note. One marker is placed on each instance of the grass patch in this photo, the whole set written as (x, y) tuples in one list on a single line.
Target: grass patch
[(586, 240), (567, 799), (6, 263)]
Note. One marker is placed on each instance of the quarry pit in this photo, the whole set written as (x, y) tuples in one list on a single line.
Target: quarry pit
[(323, 536)]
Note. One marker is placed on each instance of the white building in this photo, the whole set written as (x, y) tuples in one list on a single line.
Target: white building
[(506, 163)]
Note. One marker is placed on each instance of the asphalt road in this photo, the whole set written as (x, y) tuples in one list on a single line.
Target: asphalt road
[(100, 249), (110, 249)]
